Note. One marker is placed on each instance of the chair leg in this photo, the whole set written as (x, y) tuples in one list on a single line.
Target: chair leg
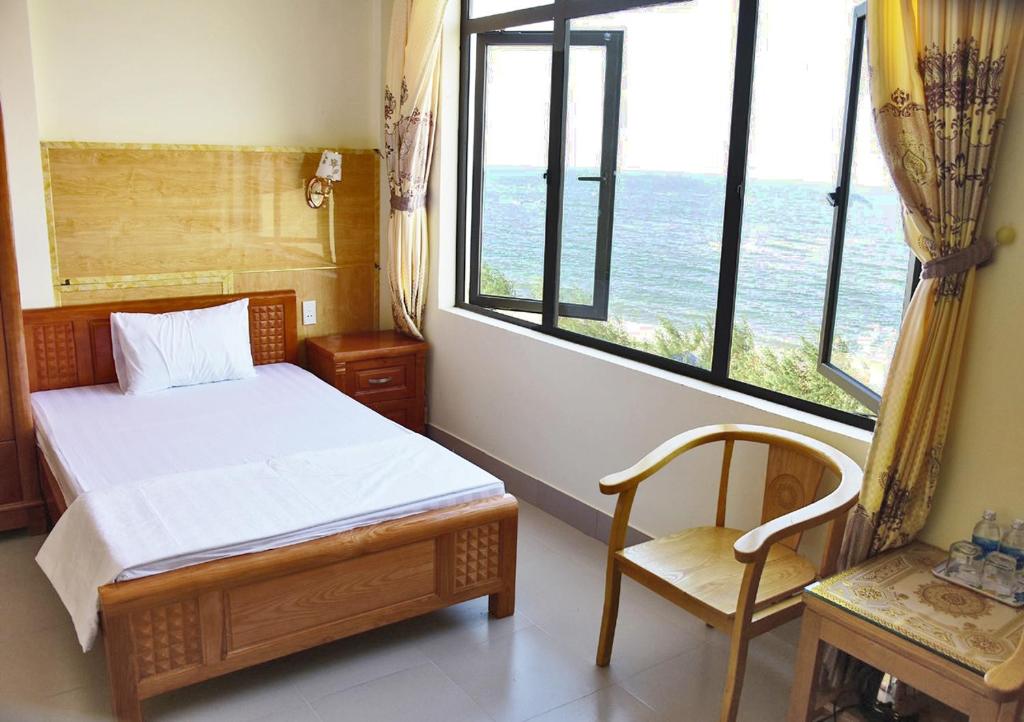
[(734, 676), (613, 584)]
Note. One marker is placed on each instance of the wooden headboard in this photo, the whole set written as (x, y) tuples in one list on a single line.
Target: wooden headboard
[(70, 346)]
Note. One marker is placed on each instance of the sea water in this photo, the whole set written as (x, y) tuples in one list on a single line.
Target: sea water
[(666, 248)]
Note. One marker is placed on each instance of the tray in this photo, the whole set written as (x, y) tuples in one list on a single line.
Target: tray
[(939, 570)]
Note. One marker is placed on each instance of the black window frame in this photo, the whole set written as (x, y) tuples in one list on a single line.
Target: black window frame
[(612, 42), (560, 13), (839, 199)]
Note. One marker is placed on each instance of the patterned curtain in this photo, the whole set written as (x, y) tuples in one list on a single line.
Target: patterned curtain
[(941, 78), (411, 92)]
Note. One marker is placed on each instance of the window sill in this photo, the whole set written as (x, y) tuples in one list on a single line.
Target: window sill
[(832, 426)]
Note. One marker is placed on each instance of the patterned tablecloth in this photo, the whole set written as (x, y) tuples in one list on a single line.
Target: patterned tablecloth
[(898, 592)]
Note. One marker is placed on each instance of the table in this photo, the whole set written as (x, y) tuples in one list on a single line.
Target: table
[(942, 639)]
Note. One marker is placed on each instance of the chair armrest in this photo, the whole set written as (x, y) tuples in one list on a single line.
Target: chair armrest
[(1007, 678), (664, 453), (756, 542)]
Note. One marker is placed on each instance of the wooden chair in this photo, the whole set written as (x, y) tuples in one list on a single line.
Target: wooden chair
[(741, 583)]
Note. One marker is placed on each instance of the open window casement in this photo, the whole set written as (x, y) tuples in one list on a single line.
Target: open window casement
[(851, 298)]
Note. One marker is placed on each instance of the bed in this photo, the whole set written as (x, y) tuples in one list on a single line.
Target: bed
[(342, 520)]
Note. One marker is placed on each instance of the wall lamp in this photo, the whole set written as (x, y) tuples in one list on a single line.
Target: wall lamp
[(327, 173)]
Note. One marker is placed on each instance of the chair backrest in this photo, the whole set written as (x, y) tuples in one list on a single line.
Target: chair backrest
[(792, 480), (793, 474)]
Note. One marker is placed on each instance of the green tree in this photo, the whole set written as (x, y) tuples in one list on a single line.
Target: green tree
[(495, 283), (792, 371)]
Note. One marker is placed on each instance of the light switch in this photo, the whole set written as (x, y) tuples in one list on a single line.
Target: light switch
[(308, 313)]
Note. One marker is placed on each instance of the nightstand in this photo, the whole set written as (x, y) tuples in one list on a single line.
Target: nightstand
[(385, 370)]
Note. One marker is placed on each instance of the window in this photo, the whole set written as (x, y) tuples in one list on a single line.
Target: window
[(510, 170), (613, 196), (869, 282)]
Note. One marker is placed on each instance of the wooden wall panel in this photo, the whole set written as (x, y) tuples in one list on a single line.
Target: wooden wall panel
[(347, 295), (155, 221), (140, 290)]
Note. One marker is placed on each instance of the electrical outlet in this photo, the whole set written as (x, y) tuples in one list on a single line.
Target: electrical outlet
[(308, 313)]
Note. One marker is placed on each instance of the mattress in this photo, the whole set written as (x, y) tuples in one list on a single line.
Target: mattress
[(96, 437), (161, 481)]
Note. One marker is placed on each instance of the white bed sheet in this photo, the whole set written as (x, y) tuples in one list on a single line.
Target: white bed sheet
[(96, 437), (162, 481)]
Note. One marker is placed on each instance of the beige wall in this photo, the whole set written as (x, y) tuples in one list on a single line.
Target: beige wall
[(21, 134), (984, 461), (233, 72), (230, 72), (568, 415)]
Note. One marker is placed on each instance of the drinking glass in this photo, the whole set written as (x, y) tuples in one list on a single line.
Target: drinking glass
[(964, 562), (999, 574)]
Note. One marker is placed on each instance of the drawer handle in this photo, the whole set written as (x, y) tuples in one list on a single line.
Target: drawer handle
[(378, 382)]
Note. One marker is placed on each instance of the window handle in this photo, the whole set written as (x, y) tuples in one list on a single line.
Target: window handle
[(380, 381), (597, 178), (833, 198)]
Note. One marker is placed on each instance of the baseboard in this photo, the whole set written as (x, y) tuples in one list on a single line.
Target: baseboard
[(577, 514)]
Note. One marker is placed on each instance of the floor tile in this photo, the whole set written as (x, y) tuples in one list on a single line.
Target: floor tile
[(611, 704), (690, 687), (559, 536), (454, 664), (30, 599), (239, 697), (455, 628), (346, 663), (298, 713), (422, 693), (521, 675), (647, 632), (18, 554), (85, 704), (39, 664)]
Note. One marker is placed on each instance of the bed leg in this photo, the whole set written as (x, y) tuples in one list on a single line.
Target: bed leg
[(124, 690), (503, 603)]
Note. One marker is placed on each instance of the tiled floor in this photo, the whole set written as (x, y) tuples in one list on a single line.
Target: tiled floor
[(457, 664)]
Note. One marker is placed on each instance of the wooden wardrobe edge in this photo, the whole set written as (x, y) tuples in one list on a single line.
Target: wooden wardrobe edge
[(14, 335)]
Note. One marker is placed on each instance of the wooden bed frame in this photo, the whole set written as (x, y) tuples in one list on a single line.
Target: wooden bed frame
[(180, 627)]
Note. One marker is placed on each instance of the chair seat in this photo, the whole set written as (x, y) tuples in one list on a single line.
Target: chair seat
[(698, 569)]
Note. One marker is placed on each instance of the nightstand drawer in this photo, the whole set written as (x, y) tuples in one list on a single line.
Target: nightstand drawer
[(382, 379), (408, 413)]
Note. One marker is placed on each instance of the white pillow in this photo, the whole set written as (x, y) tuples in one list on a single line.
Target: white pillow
[(156, 351)]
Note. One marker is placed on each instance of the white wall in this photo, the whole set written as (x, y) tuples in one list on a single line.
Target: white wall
[(21, 134), (568, 415), (229, 72)]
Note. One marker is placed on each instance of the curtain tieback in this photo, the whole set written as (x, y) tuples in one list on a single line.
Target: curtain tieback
[(408, 203), (976, 254)]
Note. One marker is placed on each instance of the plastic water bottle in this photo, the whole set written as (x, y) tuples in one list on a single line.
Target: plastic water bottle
[(987, 533), (1013, 542)]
